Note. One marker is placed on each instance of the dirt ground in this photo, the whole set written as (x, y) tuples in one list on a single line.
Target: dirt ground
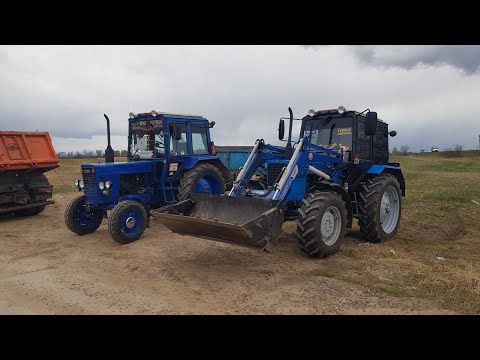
[(46, 269)]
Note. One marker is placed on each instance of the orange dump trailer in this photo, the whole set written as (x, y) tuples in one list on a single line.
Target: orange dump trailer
[(24, 158)]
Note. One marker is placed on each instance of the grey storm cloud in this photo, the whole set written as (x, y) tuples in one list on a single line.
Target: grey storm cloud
[(245, 89), (463, 57), (3, 56)]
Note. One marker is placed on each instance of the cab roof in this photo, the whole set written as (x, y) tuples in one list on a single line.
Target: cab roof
[(335, 111), (148, 115)]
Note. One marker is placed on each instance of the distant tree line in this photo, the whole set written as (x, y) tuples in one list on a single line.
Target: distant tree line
[(457, 151), (88, 154), (403, 150)]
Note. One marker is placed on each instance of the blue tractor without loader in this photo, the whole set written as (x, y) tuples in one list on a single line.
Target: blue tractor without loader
[(337, 171), (170, 156)]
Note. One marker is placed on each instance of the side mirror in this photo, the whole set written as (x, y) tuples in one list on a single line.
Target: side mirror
[(371, 123), (392, 133), (178, 132), (281, 129), (211, 124)]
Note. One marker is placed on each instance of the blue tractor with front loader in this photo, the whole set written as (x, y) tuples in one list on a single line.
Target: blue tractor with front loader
[(337, 171), (169, 157)]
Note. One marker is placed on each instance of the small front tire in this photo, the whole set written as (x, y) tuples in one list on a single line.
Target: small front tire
[(127, 221), (79, 220)]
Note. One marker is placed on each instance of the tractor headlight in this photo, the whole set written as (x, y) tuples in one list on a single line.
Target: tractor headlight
[(311, 112), (101, 185), (131, 115), (76, 183), (108, 184), (153, 113), (81, 184), (341, 109)]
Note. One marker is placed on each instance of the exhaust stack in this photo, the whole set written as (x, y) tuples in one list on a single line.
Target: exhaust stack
[(109, 154), (288, 149)]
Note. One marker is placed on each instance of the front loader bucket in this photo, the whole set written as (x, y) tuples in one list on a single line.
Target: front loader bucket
[(243, 220)]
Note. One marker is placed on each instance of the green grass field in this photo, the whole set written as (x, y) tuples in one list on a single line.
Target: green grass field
[(440, 218)]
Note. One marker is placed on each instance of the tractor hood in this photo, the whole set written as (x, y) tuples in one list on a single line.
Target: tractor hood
[(119, 167), (116, 174)]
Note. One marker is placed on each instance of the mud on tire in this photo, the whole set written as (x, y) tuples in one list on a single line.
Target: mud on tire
[(371, 195), (120, 214), (30, 211), (78, 221), (309, 221)]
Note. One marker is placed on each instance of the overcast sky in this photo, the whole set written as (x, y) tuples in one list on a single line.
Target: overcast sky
[(428, 94)]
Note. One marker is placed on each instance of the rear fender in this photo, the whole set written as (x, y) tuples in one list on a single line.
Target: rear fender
[(393, 169)]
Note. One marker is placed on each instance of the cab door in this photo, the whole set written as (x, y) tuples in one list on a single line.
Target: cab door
[(178, 151), (179, 146)]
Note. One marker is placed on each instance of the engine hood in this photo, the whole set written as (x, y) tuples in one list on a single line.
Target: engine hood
[(129, 167)]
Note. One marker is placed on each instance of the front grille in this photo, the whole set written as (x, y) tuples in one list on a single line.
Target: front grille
[(273, 170), (90, 188)]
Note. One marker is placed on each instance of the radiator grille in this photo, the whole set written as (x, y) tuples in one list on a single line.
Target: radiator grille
[(273, 170), (90, 188)]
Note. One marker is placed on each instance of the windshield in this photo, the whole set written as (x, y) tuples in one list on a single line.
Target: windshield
[(330, 132), (146, 139)]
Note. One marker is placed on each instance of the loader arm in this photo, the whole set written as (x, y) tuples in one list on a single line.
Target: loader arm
[(289, 174), (257, 157)]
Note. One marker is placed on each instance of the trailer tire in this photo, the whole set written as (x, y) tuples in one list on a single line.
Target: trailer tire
[(30, 211), (203, 178), (78, 221), (127, 221), (380, 196), (321, 209)]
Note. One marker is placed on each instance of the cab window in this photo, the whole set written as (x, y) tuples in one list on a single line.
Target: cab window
[(178, 147), (199, 139), (363, 145)]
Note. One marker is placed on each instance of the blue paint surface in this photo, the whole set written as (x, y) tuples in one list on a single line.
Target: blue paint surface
[(378, 169)]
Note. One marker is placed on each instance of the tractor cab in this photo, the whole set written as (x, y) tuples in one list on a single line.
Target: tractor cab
[(164, 135), (360, 137)]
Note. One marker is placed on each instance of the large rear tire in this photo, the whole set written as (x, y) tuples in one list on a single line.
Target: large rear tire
[(380, 208), (79, 220), (127, 221), (203, 178), (322, 223)]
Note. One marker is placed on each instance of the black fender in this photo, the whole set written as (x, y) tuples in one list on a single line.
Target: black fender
[(324, 185)]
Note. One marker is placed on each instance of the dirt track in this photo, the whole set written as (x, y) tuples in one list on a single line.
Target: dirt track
[(46, 269)]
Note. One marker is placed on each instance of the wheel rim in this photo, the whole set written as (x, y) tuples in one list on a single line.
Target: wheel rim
[(389, 210), (207, 184), (130, 222), (330, 225), (81, 215)]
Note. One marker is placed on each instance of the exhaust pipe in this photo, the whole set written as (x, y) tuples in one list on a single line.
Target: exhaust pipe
[(288, 149), (109, 154)]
